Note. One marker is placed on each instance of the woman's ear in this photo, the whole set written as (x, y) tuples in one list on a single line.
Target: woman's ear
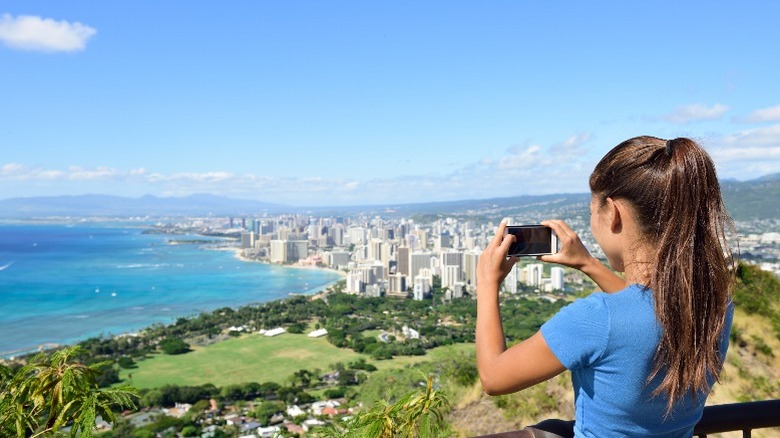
[(614, 215)]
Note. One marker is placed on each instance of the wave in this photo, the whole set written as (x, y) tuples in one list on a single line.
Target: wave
[(6, 266), (145, 265)]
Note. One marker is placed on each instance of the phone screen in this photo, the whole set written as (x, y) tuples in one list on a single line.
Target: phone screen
[(530, 240)]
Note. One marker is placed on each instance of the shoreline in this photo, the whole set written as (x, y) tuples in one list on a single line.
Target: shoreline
[(238, 255), (23, 352)]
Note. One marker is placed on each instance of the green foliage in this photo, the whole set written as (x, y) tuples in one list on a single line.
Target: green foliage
[(758, 292), (461, 369), (391, 385), (53, 391), (174, 346), (337, 392), (168, 395), (268, 409), (297, 327), (361, 364), (126, 362), (416, 414)]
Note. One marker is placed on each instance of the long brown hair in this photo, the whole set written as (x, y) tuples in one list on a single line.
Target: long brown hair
[(673, 190)]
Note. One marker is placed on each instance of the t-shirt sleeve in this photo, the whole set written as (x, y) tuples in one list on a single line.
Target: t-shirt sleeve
[(578, 333)]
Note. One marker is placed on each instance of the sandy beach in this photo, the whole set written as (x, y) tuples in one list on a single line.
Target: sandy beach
[(240, 256)]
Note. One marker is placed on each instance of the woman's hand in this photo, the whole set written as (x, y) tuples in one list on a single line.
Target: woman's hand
[(493, 265), (572, 253)]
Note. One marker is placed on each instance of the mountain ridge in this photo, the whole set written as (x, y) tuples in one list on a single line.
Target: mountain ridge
[(745, 200)]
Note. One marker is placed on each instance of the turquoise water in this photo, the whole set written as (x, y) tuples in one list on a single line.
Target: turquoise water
[(65, 283)]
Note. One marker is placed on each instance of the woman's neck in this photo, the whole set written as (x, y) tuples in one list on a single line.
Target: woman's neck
[(638, 267)]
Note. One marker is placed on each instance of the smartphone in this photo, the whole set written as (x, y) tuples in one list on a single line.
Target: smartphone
[(532, 240)]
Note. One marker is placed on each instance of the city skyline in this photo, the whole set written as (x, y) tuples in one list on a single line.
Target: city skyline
[(365, 104)]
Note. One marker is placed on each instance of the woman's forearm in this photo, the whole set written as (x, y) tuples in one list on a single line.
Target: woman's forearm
[(607, 280), (490, 335)]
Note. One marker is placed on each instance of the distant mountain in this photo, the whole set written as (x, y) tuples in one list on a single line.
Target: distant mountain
[(106, 205), (755, 199), (745, 200)]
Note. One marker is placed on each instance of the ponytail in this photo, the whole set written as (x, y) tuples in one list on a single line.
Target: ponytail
[(673, 188)]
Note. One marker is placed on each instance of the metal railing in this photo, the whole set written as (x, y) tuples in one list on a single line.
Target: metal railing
[(744, 417), (738, 416)]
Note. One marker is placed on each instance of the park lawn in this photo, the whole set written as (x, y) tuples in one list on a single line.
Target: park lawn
[(249, 358), (258, 358)]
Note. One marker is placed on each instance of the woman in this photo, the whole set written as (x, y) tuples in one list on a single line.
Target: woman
[(645, 353)]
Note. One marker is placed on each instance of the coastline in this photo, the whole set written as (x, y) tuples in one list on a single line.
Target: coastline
[(143, 265), (238, 254)]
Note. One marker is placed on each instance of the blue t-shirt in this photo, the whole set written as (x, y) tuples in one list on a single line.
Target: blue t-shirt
[(608, 342)]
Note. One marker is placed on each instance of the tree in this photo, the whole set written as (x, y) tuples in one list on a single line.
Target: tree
[(174, 346), (302, 378), (268, 409), (52, 391)]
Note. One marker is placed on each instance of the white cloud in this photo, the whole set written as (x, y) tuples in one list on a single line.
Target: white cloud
[(531, 169), (748, 154), (696, 112), (21, 172), (771, 114), (99, 173), (520, 159), (572, 145), (28, 32)]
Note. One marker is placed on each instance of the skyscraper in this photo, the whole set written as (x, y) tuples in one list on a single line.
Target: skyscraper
[(556, 276), (418, 261), (510, 282), (402, 257), (533, 275)]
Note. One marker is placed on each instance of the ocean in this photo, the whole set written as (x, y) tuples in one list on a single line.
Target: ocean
[(60, 284)]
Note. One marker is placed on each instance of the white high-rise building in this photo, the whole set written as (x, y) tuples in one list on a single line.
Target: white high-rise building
[(336, 233), (450, 275), (556, 277), (533, 276), (248, 240), (451, 258), (422, 240), (396, 285), (339, 259), (510, 282), (422, 287), (278, 251), (357, 235), (296, 250), (427, 274), (418, 261), (458, 289), (375, 249), (470, 259), (355, 284)]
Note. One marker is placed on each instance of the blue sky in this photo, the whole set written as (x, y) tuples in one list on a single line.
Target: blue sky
[(345, 103)]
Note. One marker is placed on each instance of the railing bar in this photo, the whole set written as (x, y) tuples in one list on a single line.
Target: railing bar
[(746, 433)]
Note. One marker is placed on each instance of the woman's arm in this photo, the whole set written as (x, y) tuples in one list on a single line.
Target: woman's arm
[(574, 255), (503, 371)]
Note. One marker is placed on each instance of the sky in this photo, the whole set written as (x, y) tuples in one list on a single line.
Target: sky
[(328, 103)]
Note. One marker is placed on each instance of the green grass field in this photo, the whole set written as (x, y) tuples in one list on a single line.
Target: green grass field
[(256, 358), (249, 358)]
